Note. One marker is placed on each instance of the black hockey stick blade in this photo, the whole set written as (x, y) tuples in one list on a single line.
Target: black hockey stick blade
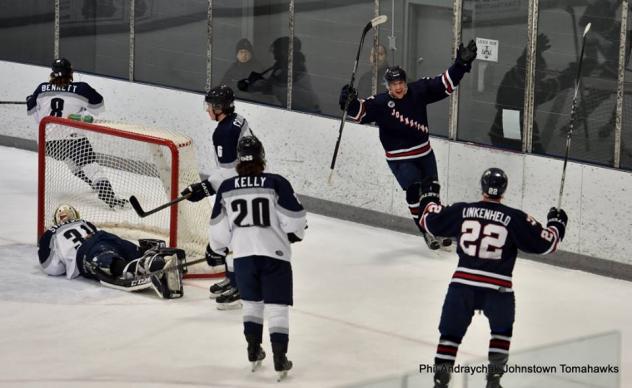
[(141, 213), (12, 102)]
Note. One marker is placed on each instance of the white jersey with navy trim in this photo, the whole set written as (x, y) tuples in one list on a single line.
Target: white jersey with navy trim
[(253, 216), (58, 247), (60, 101)]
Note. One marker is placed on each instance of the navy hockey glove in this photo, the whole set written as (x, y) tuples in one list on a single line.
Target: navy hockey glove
[(198, 191), (559, 219), (430, 189), (347, 93), (245, 83), (466, 55), (215, 258)]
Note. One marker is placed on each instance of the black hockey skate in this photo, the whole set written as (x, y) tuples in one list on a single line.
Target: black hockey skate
[(446, 242), (229, 300), (255, 356), (493, 380), (432, 242), (219, 288), (282, 365), (441, 377)]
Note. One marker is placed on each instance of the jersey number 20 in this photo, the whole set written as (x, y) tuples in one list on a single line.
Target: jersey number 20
[(259, 208), (489, 245)]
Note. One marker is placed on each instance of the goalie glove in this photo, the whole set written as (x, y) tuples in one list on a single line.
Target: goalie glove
[(215, 258), (198, 191)]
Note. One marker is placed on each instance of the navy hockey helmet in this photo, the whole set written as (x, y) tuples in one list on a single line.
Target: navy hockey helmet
[(394, 73), (494, 182), (250, 149), (61, 67), (221, 96)]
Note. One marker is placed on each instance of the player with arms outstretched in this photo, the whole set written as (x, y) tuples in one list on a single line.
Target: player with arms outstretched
[(75, 247), (489, 235), (400, 114), (220, 105), (62, 97), (257, 215)]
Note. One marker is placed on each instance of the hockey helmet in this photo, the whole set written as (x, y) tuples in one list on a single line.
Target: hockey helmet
[(394, 73), (221, 97), (65, 213), (61, 67), (494, 182), (250, 149)]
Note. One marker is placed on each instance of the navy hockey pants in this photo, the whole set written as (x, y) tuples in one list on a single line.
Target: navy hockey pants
[(104, 248), (262, 278)]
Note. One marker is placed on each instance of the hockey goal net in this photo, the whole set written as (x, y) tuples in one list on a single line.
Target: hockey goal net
[(97, 167)]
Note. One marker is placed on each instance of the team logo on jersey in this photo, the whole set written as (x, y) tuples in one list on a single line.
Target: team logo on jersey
[(391, 104)]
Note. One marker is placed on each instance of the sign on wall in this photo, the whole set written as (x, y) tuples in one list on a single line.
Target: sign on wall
[(487, 49)]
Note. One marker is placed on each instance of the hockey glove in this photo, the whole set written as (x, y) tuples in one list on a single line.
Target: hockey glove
[(466, 55), (347, 93), (430, 189), (215, 258), (559, 219), (198, 191)]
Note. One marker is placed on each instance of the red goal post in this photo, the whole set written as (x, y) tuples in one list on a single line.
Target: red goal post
[(154, 165)]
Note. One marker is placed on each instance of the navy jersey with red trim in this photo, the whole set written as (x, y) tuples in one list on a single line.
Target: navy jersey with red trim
[(253, 216), (489, 235), (403, 123)]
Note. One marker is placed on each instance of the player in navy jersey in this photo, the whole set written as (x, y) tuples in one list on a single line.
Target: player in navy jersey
[(257, 215), (61, 97), (75, 247), (220, 105), (400, 114), (489, 235)]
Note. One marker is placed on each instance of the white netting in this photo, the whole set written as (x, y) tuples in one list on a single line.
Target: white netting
[(96, 171)]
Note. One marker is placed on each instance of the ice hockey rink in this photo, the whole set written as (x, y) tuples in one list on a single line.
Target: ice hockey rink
[(367, 306)]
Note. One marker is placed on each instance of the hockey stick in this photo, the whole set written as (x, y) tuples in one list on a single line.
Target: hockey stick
[(573, 109), (141, 213), (571, 11), (372, 24), (12, 102)]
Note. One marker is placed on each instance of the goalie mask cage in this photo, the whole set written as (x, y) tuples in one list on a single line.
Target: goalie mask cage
[(75, 159)]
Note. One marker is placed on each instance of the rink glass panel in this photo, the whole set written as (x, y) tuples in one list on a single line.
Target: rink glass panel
[(94, 36), (261, 23), (493, 92), (593, 134), (27, 31), (329, 35), (626, 131), (171, 43)]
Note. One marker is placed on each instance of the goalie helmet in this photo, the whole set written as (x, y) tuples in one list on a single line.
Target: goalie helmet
[(394, 73), (250, 149), (61, 67), (221, 97), (494, 182), (65, 213)]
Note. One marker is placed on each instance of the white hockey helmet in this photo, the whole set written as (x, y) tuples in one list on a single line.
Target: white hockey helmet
[(65, 213)]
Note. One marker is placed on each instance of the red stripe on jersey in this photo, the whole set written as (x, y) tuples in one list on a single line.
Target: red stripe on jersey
[(418, 151), (483, 279)]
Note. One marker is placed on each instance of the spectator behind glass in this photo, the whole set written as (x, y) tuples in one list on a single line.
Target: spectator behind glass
[(365, 84), (245, 63)]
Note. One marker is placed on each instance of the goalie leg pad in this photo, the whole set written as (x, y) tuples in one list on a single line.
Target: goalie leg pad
[(168, 284)]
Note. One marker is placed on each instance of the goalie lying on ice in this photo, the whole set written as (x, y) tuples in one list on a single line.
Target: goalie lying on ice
[(74, 247)]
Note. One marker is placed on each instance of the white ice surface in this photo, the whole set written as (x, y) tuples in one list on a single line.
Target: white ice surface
[(367, 305)]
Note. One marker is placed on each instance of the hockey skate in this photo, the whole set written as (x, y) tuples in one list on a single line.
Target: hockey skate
[(255, 356), (446, 243), (229, 300), (432, 242), (441, 377), (219, 288), (282, 365), (493, 380)]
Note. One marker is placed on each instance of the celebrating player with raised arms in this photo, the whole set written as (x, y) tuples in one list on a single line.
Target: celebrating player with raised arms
[(489, 235), (75, 247), (220, 105), (257, 215), (400, 114), (62, 97)]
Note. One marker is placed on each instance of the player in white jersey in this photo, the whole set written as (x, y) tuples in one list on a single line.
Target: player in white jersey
[(75, 247), (61, 97), (257, 215), (220, 105)]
